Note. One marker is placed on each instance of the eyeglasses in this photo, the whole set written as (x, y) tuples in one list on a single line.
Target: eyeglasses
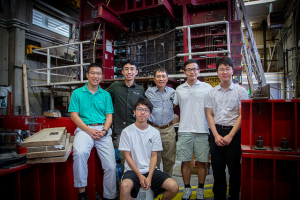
[(161, 76), (225, 70), (146, 110), (189, 70), (95, 73)]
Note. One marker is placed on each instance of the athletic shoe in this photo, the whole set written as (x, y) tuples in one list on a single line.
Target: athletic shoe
[(187, 192), (200, 194)]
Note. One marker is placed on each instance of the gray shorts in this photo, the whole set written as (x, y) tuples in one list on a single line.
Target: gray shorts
[(189, 143)]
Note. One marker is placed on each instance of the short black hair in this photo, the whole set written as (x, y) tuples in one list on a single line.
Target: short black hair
[(144, 101), (131, 62), (190, 61), (94, 65), (225, 61), (160, 70)]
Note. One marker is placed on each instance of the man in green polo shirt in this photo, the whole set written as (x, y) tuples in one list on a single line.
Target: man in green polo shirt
[(92, 111), (124, 95)]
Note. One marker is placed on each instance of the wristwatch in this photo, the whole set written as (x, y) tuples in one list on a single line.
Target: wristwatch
[(105, 132)]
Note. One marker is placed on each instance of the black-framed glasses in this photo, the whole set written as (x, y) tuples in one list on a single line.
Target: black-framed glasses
[(146, 110)]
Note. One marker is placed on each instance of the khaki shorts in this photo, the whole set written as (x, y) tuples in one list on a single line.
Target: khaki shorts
[(189, 143)]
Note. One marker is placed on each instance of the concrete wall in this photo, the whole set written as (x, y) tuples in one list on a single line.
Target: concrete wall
[(12, 53), (4, 14)]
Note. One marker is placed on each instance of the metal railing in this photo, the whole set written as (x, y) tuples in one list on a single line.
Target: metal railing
[(188, 27), (49, 68), (81, 64)]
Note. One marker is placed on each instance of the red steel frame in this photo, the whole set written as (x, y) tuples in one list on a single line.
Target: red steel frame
[(111, 16), (273, 120), (196, 17), (270, 177), (51, 180), (270, 174)]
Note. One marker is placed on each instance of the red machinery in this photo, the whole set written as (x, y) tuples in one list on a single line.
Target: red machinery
[(133, 17), (46, 181), (271, 170)]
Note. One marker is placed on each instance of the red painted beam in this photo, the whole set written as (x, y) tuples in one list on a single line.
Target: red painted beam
[(197, 2), (167, 8), (110, 16)]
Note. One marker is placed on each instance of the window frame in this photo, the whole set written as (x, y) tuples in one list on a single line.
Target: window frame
[(45, 23)]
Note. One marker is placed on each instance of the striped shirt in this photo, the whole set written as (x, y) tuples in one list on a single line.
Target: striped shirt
[(162, 105), (226, 104)]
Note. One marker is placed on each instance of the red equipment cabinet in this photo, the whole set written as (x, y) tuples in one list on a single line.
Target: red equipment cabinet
[(273, 120), (50, 180), (270, 177), (270, 174)]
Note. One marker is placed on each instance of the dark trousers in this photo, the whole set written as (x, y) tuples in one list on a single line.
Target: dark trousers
[(221, 156)]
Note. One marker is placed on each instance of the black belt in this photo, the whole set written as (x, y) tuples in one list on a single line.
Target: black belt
[(95, 124), (224, 127)]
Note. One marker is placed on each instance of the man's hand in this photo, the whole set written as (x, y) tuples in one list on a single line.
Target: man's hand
[(148, 183), (219, 140), (143, 181), (95, 134), (228, 139)]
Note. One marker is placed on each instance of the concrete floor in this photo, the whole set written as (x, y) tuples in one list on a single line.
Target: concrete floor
[(208, 194)]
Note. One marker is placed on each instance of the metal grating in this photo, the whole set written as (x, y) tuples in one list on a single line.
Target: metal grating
[(51, 24)]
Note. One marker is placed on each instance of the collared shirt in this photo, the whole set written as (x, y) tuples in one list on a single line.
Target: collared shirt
[(226, 104), (124, 98), (92, 108), (191, 100), (162, 112)]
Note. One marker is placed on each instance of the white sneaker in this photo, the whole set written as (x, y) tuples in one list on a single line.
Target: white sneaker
[(187, 192), (200, 194)]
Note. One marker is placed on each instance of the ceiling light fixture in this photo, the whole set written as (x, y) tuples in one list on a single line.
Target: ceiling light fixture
[(249, 3)]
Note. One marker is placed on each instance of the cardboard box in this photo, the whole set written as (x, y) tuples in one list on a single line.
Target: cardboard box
[(52, 114)]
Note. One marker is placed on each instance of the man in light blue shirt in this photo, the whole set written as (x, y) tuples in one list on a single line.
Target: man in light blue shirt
[(91, 110), (162, 97)]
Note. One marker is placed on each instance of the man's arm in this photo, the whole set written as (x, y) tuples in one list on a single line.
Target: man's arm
[(108, 122), (234, 130), (132, 166), (95, 134), (219, 140), (153, 161)]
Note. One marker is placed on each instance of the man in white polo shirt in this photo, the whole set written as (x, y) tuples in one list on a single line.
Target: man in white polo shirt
[(193, 127), (223, 108)]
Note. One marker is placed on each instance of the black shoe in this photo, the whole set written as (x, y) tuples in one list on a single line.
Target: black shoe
[(231, 198), (83, 197)]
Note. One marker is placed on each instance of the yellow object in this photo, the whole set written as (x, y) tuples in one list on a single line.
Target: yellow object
[(213, 81), (207, 192), (29, 48)]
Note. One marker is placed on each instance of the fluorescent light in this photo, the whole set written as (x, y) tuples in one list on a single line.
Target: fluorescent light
[(244, 26), (249, 3)]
